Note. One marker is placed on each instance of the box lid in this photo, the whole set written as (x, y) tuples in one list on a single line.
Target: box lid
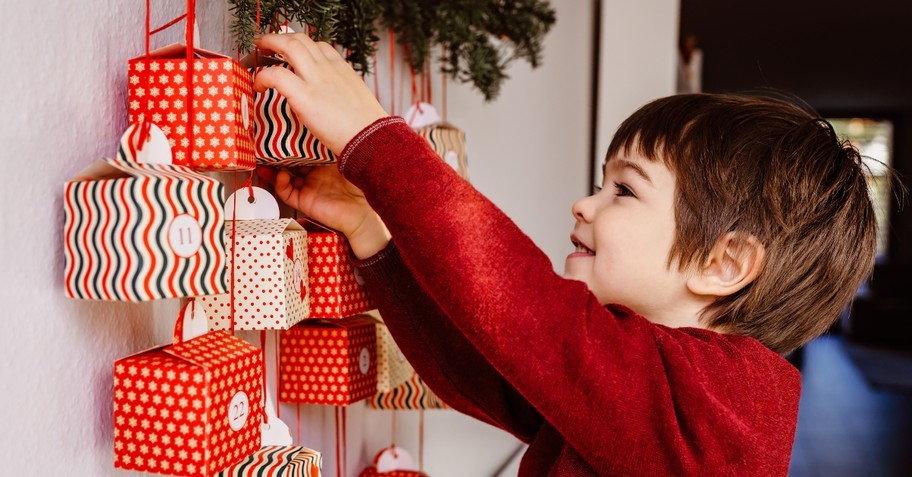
[(179, 51)]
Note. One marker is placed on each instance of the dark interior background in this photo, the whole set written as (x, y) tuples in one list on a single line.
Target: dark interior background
[(844, 58)]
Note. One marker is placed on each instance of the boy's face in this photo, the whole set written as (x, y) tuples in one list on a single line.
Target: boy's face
[(623, 236)]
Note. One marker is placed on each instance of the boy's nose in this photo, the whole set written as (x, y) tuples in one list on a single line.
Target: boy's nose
[(582, 209)]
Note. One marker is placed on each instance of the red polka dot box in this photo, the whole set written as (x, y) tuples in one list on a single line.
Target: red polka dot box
[(189, 409), (269, 280), (335, 288), (203, 105), (331, 362)]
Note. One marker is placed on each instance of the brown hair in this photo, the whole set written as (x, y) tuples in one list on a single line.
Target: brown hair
[(776, 170)]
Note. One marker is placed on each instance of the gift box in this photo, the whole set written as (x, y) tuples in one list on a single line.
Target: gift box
[(142, 231), (278, 461), (449, 143), (373, 472), (279, 137), (189, 409), (335, 288), (201, 100), (270, 281), (392, 461), (412, 394), (330, 362), (392, 367)]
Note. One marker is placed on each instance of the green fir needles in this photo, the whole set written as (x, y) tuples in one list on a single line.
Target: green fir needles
[(476, 39)]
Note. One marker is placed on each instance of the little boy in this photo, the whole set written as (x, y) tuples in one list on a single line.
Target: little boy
[(729, 231)]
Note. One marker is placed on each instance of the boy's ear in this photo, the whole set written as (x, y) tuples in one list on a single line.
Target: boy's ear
[(734, 262)]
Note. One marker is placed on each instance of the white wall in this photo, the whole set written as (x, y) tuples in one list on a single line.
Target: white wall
[(63, 94)]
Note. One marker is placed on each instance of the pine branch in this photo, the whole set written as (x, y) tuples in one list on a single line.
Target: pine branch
[(480, 38)]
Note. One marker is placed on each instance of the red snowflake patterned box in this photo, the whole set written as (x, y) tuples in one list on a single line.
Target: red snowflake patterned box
[(328, 361), (206, 115), (270, 281), (335, 288), (189, 409)]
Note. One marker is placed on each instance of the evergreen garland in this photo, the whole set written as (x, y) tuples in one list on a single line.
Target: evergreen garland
[(478, 38)]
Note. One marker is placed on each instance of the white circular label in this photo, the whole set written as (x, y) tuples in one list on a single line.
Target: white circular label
[(358, 279), (156, 150), (238, 410), (245, 111), (395, 458), (452, 159), (298, 275), (421, 115), (185, 235), (364, 361)]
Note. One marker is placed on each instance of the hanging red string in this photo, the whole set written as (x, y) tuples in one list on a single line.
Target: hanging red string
[(189, 39), (443, 90), (376, 75), (278, 350), (392, 43), (340, 440), (298, 416), (263, 409), (421, 439), (233, 254), (145, 126), (393, 437)]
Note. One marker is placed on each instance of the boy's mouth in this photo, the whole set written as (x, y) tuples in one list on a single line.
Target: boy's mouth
[(580, 248)]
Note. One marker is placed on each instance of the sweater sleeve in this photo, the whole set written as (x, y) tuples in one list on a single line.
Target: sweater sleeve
[(441, 355), (623, 392)]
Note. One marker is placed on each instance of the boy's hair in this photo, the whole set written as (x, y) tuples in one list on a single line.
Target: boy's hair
[(778, 171)]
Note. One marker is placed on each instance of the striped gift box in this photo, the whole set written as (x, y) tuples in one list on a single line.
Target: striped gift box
[(137, 232), (279, 137), (278, 461), (449, 143), (412, 394), (215, 121), (190, 409)]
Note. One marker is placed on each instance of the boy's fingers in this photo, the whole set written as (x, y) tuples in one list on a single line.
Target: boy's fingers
[(267, 174), (298, 49), (328, 51)]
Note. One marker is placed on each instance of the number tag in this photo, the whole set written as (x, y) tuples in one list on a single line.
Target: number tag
[(185, 235), (238, 410)]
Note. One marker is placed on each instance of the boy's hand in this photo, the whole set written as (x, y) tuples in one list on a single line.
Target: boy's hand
[(326, 94), (322, 194)]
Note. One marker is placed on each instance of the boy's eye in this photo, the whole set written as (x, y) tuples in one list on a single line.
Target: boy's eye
[(622, 190)]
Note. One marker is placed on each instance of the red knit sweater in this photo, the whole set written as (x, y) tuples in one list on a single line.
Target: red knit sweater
[(478, 310)]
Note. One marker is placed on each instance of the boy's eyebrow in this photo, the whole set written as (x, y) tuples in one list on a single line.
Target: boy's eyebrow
[(625, 164)]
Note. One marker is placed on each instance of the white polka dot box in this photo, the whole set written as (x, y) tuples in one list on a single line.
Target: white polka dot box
[(278, 461), (269, 280), (206, 115), (332, 362), (335, 287), (142, 231), (190, 409)]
